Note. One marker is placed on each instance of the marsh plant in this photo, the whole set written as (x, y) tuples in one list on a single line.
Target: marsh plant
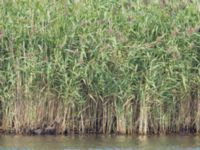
[(100, 66)]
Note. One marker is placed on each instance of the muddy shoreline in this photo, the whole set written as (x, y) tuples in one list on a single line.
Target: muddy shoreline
[(51, 131)]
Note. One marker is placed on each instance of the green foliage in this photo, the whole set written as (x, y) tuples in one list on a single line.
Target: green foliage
[(80, 50)]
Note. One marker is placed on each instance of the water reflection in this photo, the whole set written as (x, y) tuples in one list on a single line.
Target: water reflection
[(100, 142)]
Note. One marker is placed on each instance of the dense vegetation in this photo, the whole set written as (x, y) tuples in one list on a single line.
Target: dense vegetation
[(100, 66)]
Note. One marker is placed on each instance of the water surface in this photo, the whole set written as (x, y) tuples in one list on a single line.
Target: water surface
[(99, 142)]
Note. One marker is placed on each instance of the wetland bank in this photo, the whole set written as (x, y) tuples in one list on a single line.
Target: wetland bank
[(99, 66)]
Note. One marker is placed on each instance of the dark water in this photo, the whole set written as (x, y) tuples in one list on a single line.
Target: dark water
[(99, 142)]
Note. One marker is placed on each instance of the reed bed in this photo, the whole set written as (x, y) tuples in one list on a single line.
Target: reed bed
[(100, 66)]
